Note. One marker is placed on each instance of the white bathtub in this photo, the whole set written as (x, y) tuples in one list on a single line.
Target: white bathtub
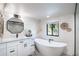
[(50, 49)]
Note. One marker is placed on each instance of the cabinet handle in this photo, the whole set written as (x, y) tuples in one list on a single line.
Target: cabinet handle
[(12, 51), (32, 45), (21, 41), (25, 45)]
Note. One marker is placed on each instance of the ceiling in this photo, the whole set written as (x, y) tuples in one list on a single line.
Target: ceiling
[(40, 10)]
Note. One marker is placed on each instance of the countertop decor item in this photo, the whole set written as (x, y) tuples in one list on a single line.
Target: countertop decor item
[(28, 33)]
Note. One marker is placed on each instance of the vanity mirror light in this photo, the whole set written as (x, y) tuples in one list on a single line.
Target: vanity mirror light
[(15, 25), (53, 29)]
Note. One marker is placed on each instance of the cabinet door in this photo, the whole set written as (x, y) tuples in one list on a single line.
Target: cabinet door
[(29, 50), (24, 49), (12, 51), (2, 51), (20, 50)]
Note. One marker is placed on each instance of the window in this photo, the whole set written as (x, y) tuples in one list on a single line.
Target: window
[(53, 29)]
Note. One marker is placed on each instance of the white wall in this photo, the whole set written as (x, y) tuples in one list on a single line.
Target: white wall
[(29, 23), (64, 36)]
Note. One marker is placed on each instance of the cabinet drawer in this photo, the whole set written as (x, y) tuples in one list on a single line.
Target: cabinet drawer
[(12, 51), (20, 42), (14, 43)]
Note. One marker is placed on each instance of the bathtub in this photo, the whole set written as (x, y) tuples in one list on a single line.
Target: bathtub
[(52, 48)]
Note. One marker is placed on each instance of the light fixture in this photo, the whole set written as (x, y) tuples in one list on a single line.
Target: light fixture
[(48, 16)]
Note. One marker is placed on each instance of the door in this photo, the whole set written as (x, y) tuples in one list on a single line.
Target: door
[(77, 30)]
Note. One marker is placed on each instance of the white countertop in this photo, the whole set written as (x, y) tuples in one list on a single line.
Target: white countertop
[(5, 40)]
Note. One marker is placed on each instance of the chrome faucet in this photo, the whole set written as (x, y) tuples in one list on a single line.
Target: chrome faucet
[(50, 40)]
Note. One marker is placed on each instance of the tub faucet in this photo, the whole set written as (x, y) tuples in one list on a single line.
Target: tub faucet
[(50, 40)]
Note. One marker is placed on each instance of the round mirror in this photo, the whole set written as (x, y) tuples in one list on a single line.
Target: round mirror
[(15, 25)]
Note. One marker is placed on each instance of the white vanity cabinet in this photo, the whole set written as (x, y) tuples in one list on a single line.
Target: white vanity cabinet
[(12, 48), (24, 48), (3, 49)]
